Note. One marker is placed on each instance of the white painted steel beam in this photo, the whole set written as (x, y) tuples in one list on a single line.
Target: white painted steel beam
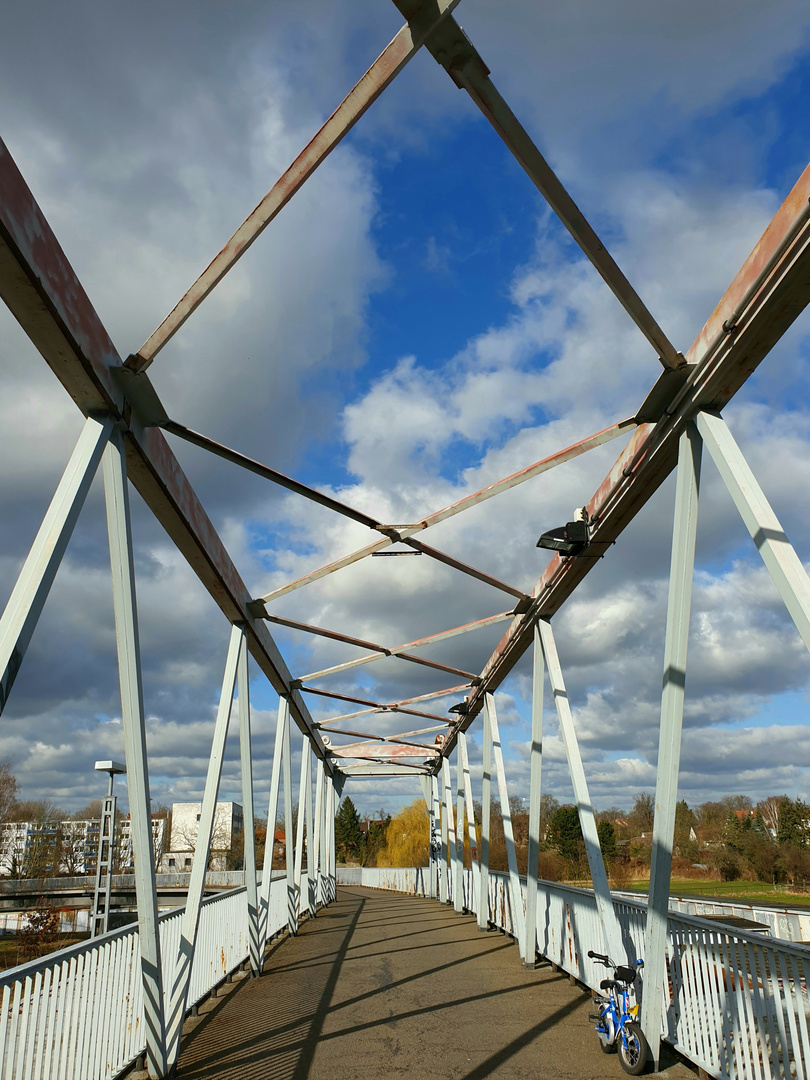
[(458, 897), (778, 554), (470, 808), (535, 789), (452, 850), (669, 745), (289, 850), (515, 895), (202, 850), (587, 820), (246, 768), (318, 838), (303, 785), (282, 724), (29, 594), (119, 529), (486, 814)]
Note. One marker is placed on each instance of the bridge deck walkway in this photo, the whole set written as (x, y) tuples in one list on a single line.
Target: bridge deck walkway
[(382, 985)]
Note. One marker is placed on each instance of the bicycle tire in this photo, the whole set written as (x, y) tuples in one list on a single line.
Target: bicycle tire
[(634, 1053)]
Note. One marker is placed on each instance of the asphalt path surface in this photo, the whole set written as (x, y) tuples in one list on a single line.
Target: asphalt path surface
[(382, 985)]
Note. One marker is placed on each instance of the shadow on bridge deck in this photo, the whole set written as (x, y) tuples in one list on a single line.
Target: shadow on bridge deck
[(382, 985)]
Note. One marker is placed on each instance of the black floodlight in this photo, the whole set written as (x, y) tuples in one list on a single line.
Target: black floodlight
[(568, 539), (462, 708)]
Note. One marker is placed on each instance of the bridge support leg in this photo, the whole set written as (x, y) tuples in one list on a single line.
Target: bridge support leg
[(435, 839), (669, 745), (303, 788), (468, 799), (132, 715), (282, 722), (246, 763), (536, 759), (458, 876), (318, 837), (444, 891), (604, 902), (486, 807), (202, 850), (449, 833), (289, 850), (515, 893), (28, 596), (312, 899), (779, 556)]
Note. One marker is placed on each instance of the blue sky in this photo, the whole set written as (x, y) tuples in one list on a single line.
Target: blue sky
[(414, 325)]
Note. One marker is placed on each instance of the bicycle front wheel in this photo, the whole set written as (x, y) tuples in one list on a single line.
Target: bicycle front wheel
[(634, 1053)]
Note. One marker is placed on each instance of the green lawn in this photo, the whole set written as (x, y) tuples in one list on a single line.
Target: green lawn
[(747, 891)]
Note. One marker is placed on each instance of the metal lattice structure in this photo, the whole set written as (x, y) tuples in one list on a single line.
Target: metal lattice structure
[(126, 426)]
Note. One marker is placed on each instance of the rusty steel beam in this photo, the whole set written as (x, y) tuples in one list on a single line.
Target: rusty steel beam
[(381, 711), (43, 293), (395, 739), (454, 51), (766, 296), (397, 706), (375, 749), (419, 643), (402, 532), (427, 15)]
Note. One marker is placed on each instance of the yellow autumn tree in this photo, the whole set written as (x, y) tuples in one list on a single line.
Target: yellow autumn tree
[(407, 838)]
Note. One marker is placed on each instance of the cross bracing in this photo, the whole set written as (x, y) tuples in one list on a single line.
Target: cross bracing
[(127, 426)]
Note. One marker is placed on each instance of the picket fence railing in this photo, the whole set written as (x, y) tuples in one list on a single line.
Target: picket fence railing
[(736, 1003), (77, 1014)]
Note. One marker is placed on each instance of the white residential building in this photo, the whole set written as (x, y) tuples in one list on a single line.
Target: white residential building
[(49, 848), (228, 822)]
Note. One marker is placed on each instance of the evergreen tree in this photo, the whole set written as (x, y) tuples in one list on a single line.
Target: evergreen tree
[(348, 837), (564, 832), (607, 841)]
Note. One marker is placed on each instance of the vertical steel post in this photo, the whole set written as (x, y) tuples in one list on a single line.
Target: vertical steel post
[(282, 723), (440, 795), (311, 844), (458, 878), (535, 781), (317, 856), (587, 820), (449, 833), (486, 806), (246, 764), (29, 594), (329, 831), (669, 745), (289, 850), (468, 798), (134, 729), (435, 837), (299, 831), (779, 556), (516, 896), (427, 787), (202, 850)]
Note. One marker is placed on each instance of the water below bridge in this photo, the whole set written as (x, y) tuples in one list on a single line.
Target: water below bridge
[(382, 985)]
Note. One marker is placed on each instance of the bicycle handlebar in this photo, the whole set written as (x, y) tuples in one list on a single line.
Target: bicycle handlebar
[(599, 956)]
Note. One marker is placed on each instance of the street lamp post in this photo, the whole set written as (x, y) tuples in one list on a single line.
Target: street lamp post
[(100, 914)]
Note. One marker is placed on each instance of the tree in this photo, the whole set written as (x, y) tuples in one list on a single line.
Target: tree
[(565, 834), (685, 821), (348, 837), (794, 823), (8, 790), (375, 838), (407, 842), (643, 813), (607, 841), (39, 932)]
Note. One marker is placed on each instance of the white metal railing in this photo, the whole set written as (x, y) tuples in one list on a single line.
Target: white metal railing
[(406, 879), (78, 1014), (736, 1004)]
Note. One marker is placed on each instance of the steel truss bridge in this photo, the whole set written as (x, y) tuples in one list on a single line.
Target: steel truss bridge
[(139, 984)]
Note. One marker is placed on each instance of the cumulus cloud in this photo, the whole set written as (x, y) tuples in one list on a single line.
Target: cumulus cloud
[(145, 183)]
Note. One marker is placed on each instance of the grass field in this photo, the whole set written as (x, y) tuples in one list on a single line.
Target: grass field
[(747, 891), (9, 950)]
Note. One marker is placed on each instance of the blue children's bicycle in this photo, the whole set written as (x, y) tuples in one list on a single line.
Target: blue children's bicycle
[(617, 1020)]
